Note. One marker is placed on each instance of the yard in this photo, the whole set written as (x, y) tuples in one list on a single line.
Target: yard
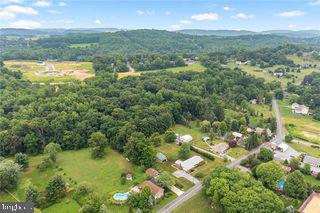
[(269, 78), (194, 67), (69, 70), (302, 127), (103, 175), (197, 204), (306, 149)]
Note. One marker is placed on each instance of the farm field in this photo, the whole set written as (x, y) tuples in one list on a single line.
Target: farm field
[(194, 67), (103, 175), (304, 127), (269, 78), (64, 70)]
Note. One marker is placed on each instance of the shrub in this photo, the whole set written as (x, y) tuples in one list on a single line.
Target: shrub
[(199, 175), (205, 154)]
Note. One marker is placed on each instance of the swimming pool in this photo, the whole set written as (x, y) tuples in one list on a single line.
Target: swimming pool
[(281, 183), (121, 196)]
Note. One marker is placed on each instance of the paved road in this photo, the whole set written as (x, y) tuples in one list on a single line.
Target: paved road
[(179, 200), (196, 188)]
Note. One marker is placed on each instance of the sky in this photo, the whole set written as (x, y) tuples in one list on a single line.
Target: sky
[(255, 15)]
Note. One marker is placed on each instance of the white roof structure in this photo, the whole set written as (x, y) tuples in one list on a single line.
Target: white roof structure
[(311, 160), (300, 109), (237, 134), (219, 148), (190, 163), (283, 147), (294, 105), (184, 138)]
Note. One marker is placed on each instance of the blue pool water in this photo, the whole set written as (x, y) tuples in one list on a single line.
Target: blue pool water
[(281, 183), (121, 196)]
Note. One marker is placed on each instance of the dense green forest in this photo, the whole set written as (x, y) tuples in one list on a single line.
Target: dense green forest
[(136, 42), (33, 115)]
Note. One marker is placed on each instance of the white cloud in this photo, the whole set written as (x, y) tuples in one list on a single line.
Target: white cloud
[(62, 4), (147, 12), (26, 24), (11, 1), (140, 12), (315, 3), (54, 11), (20, 9), (226, 8), (205, 16), (185, 22), (242, 16), (42, 4), (97, 21), (4, 15), (167, 13), (289, 14), (175, 26)]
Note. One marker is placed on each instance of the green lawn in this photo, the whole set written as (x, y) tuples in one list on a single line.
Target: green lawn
[(197, 204), (194, 67), (103, 175), (237, 152), (312, 180), (306, 149), (305, 127)]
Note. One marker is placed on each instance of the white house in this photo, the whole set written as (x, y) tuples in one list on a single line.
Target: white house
[(278, 74), (237, 135), (242, 62), (183, 139), (300, 109), (282, 147), (190, 164)]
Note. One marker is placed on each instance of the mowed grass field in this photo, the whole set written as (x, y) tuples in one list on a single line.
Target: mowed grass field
[(269, 78), (305, 128), (30, 68), (103, 175), (197, 204), (194, 67)]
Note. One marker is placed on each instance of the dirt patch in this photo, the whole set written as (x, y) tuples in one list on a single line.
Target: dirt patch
[(81, 74), (310, 135)]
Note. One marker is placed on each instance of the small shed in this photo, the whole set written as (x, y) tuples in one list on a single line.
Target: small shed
[(161, 157), (205, 138), (152, 172)]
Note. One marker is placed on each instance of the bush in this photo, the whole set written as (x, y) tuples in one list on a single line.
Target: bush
[(199, 175), (22, 160), (205, 154), (179, 185), (318, 176)]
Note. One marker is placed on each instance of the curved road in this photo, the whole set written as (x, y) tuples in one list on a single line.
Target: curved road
[(196, 188)]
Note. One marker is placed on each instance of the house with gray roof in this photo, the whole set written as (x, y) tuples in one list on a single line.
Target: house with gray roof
[(312, 161)]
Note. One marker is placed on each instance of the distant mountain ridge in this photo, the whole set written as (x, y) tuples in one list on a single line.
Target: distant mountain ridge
[(288, 33), (200, 32), (53, 31)]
